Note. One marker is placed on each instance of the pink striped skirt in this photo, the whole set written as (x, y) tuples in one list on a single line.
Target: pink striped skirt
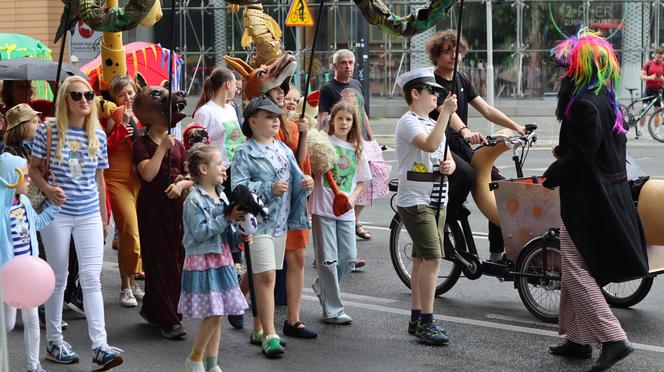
[(585, 317)]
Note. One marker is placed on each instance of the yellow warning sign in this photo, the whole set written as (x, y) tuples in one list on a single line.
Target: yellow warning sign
[(299, 14)]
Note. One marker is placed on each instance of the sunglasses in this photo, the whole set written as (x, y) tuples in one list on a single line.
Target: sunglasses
[(76, 96), (430, 89)]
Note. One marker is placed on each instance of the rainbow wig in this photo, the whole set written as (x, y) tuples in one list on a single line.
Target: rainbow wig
[(591, 65)]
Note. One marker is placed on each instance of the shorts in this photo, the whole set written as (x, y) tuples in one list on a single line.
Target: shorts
[(651, 92), (267, 253), (297, 239), (426, 234)]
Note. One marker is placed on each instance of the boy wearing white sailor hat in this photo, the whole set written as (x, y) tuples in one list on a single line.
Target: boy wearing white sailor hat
[(420, 144)]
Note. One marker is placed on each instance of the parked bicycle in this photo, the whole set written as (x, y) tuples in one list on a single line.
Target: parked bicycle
[(632, 119), (533, 264)]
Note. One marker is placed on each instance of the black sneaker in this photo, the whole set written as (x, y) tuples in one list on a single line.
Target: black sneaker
[(412, 326), (430, 334), (76, 305)]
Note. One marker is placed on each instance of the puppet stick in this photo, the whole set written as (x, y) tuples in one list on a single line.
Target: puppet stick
[(454, 90), (321, 9), (250, 279), (170, 82), (60, 58)]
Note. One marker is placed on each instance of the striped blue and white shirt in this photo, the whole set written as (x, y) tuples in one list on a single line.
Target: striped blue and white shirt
[(20, 228), (75, 172)]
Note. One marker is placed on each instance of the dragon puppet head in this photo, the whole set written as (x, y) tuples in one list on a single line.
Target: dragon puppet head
[(152, 105), (265, 77)]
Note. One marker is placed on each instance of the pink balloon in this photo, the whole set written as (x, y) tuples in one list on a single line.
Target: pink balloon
[(27, 281)]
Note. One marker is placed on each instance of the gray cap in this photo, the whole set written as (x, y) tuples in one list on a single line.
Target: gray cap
[(260, 103)]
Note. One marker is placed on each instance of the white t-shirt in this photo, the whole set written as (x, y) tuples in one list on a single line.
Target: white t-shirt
[(222, 127), (411, 158), (347, 174), (275, 154)]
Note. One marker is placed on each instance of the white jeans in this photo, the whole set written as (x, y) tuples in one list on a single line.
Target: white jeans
[(88, 236), (30, 332)]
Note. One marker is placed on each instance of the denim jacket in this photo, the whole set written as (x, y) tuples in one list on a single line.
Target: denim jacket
[(252, 169), (205, 228)]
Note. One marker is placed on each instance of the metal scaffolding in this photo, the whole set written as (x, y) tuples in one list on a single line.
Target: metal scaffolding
[(207, 31)]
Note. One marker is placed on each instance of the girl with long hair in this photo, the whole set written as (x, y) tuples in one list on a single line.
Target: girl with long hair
[(334, 236), (217, 115)]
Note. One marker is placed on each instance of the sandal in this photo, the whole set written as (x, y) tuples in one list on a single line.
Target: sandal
[(361, 232)]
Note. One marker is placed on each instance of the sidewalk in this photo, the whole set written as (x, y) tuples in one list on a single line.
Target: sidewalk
[(540, 112)]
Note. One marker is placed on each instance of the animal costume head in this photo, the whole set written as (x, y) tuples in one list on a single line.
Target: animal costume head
[(152, 106), (591, 66), (248, 202), (195, 133), (265, 77)]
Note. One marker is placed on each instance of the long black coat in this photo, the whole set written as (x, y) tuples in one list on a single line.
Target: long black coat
[(595, 201)]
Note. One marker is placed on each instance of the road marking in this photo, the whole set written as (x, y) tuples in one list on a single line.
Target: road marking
[(522, 321), (310, 292), (473, 322)]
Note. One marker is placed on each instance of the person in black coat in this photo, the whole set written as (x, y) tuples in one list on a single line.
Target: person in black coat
[(601, 237)]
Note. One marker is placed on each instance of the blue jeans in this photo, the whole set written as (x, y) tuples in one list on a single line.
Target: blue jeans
[(335, 250)]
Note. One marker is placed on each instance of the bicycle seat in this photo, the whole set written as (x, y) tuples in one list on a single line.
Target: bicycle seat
[(630, 90)]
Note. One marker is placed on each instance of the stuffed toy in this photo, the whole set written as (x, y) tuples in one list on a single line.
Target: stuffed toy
[(249, 202)]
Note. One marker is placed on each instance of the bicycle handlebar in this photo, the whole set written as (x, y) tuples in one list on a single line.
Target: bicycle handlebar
[(528, 138)]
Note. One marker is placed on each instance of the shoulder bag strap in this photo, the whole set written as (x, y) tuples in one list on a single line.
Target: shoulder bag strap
[(49, 143)]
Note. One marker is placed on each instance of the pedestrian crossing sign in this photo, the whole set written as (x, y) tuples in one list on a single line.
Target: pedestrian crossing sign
[(299, 14)]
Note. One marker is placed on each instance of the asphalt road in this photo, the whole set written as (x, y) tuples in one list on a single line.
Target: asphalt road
[(489, 327)]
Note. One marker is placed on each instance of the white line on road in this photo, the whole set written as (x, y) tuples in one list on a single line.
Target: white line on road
[(518, 320), (310, 292), (474, 322)]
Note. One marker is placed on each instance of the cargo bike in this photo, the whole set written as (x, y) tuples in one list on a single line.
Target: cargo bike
[(529, 216)]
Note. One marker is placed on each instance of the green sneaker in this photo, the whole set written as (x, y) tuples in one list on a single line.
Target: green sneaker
[(272, 347), (256, 338)]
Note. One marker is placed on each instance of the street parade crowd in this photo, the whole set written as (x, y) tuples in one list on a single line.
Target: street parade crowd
[(244, 180)]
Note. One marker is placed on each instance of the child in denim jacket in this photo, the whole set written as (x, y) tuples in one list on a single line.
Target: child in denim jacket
[(210, 288), (268, 168)]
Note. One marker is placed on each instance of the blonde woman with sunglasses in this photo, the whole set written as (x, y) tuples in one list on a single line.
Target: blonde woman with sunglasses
[(78, 157)]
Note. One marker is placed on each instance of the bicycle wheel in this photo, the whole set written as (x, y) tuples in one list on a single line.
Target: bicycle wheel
[(401, 253), (540, 296), (655, 125), (627, 294)]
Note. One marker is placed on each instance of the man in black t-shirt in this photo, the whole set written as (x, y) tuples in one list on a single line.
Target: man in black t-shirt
[(343, 86), (441, 49)]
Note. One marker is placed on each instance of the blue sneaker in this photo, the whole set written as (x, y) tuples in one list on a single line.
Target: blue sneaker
[(106, 357), (431, 334), (61, 353)]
